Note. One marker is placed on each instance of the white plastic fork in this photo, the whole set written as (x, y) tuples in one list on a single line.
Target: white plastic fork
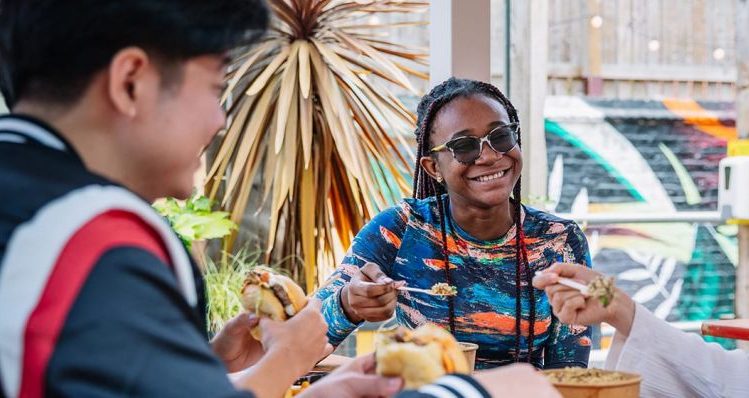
[(417, 290), (571, 283)]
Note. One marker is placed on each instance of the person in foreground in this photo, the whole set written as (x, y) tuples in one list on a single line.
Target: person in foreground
[(465, 227), (672, 363), (111, 104)]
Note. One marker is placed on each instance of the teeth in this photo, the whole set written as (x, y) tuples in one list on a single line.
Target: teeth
[(490, 177)]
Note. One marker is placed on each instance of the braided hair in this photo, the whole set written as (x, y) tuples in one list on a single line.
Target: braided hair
[(425, 186)]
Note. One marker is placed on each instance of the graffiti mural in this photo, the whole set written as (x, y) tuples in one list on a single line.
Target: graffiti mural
[(648, 157)]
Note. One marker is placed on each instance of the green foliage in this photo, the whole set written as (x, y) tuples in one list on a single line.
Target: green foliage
[(194, 219), (223, 284)]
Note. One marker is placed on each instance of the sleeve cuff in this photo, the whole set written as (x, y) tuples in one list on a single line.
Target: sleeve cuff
[(455, 386), (646, 330), (339, 326)]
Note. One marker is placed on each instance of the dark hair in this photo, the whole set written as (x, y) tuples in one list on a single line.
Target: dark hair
[(425, 186), (50, 49)]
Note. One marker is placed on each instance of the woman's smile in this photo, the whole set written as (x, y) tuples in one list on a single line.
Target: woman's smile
[(492, 176)]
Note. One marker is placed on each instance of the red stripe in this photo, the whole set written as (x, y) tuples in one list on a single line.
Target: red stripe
[(77, 259)]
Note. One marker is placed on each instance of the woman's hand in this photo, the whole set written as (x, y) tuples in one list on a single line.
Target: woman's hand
[(574, 308), (370, 295)]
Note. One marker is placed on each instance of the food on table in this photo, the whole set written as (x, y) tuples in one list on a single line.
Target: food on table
[(296, 390), (589, 383), (271, 295), (585, 376), (419, 356)]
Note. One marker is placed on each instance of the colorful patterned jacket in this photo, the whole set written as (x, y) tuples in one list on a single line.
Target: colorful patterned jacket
[(405, 241)]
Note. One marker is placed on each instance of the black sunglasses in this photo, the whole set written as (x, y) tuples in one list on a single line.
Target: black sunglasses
[(467, 149)]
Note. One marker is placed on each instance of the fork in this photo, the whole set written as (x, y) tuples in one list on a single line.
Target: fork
[(418, 290), (571, 283)]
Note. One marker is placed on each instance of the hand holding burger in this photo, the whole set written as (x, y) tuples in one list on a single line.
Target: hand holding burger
[(289, 322), (419, 356), (271, 295)]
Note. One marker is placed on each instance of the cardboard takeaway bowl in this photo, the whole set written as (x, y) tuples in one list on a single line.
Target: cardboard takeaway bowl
[(628, 388)]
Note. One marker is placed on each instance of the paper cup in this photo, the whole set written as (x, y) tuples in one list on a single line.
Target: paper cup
[(469, 350)]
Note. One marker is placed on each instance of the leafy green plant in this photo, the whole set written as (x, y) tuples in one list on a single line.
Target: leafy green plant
[(194, 219)]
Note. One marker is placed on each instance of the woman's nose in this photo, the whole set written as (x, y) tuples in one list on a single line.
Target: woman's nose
[(488, 154)]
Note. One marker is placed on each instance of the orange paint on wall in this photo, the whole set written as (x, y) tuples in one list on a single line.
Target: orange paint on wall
[(701, 118)]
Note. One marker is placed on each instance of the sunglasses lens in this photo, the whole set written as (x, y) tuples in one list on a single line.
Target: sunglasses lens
[(503, 139), (465, 149), (468, 149)]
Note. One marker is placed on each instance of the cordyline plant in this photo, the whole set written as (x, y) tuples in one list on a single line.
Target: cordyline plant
[(311, 110)]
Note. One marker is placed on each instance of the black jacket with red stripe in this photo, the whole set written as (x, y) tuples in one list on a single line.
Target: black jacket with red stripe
[(97, 295)]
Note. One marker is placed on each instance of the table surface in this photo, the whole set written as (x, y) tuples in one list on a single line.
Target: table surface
[(331, 363)]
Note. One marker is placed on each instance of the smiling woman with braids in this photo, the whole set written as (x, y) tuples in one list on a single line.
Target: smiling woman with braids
[(465, 227)]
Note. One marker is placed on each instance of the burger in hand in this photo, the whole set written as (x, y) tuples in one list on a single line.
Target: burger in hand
[(267, 294), (419, 356)]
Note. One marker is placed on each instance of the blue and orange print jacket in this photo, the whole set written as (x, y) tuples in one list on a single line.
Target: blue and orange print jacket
[(405, 241)]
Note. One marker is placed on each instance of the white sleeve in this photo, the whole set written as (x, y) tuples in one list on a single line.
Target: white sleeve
[(673, 363)]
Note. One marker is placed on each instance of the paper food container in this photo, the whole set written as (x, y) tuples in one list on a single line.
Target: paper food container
[(594, 383)]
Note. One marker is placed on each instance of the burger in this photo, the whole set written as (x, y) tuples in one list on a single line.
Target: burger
[(271, 295), (418, 356)]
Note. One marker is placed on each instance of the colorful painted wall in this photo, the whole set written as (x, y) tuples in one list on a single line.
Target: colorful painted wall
[(648, 157)]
